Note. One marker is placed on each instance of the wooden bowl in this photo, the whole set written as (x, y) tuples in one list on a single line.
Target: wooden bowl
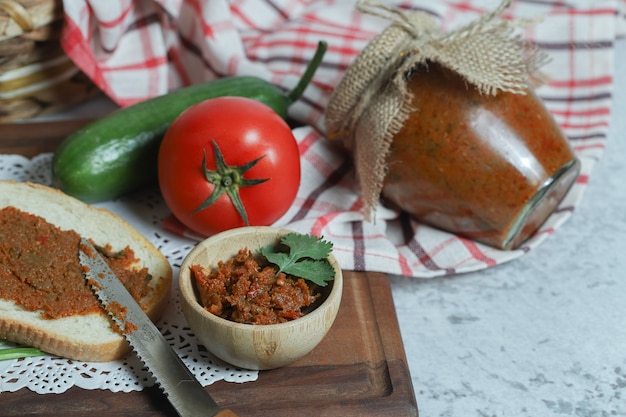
[(252, 346)]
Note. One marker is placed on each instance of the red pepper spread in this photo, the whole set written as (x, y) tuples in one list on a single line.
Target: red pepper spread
[(40, 270), (470, 163), (242, 290)]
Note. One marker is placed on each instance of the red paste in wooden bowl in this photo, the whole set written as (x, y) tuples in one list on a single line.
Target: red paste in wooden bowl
[(242, 290)]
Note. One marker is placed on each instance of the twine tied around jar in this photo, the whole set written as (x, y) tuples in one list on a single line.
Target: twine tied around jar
[(372, 102)]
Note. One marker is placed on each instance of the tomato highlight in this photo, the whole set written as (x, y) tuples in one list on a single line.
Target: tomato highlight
[(228, 162)]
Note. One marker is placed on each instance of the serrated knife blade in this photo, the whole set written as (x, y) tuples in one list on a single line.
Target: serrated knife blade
[(180, 386)]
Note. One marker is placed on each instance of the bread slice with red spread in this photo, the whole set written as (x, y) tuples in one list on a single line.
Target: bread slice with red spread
[(85, 337)]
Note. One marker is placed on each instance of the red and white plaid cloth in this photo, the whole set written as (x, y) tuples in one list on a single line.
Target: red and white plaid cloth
[(135, 50)]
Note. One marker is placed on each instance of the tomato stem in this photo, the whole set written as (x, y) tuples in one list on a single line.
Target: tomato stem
[(306, 78), (228, 179)]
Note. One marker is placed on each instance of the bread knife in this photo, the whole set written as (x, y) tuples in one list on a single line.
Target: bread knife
[(180, 386)]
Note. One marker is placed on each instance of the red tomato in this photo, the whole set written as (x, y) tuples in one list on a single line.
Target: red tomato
[(222, 150)]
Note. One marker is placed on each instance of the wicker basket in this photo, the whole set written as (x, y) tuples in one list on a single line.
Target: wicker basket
[(36, 76)]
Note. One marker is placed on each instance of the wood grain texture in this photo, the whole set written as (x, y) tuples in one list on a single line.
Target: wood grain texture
[(359, 369), (32, 138)]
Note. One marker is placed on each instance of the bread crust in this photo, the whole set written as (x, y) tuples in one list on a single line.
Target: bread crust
[(81, 337)]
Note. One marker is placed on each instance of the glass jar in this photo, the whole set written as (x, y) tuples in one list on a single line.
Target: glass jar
[(490, 168)]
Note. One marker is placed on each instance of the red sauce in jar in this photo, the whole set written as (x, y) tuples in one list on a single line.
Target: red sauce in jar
[(40, 270), (242, 290), (491, 168)]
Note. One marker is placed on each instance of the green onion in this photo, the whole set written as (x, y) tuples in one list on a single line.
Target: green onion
[(18, 352)]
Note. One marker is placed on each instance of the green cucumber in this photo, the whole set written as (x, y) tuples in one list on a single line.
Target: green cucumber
[(118, 153)]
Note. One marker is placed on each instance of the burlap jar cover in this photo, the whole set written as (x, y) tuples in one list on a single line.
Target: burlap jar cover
[(372, 102)]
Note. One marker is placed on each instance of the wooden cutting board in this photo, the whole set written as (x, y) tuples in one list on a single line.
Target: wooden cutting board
[(358, 370), (30, 139)]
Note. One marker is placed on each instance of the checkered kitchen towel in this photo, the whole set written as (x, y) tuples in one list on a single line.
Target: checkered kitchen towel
[(134, 50)]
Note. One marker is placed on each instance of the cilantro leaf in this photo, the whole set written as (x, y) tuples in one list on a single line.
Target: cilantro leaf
[(307, 246), (278, 258), (314, 271), (307, 258)]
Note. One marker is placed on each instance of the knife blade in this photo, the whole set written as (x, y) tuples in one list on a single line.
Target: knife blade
[(180, 386)]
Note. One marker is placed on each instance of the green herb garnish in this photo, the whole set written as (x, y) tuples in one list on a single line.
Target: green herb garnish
[(307, 258), (18, 352)]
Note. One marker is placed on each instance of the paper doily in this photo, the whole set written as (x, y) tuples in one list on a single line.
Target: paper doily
[(49, 374)]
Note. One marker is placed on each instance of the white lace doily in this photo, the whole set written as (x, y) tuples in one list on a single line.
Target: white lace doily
[(48, 374)]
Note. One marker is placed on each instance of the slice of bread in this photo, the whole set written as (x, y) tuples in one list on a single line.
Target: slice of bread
[(82, 337)]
